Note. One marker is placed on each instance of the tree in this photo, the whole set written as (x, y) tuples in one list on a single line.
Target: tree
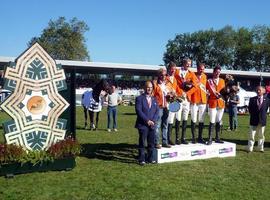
[(241, 49), (64, 40)]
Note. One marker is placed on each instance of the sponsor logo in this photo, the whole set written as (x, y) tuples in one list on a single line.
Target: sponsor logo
[(168, 155), (225, 150), (198, 152)]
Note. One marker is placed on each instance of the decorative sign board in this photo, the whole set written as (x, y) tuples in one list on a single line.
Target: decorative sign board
[(194, 152), (34, 104)]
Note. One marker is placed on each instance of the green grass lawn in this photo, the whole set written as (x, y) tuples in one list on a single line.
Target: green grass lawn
[(107, 169)]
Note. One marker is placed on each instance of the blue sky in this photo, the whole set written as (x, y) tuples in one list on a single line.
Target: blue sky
[(126, 31)]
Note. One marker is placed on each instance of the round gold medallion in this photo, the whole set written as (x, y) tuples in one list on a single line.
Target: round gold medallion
[(36, 105)]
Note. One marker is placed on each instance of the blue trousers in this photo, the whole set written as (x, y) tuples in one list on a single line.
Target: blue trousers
[(149, 136), (233, 117), (112, 110), (162, 124)]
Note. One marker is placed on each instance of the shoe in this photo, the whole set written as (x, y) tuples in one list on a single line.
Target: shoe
[(142, 163), (109, 130), (193, 141), (171, 143), (115, 130), (209, 142), (248, 151), (261, 151), (178, 142), (219, 141), (153, 162), (184, 142), (201, 141), (166, 145), (158, 146)]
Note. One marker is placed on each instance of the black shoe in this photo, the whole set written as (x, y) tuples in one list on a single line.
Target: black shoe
[(177, 142), (201, 141), (184, 142), (193, 141), (166, 145), (209, 142), (219, 141)]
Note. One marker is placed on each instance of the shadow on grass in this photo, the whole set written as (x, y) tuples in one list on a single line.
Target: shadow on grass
[(129, 113), (126, 153)]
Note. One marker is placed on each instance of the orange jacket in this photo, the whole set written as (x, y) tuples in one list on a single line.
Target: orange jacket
[(159, 94), (213, 101), (189, 77), (175, 86), (200, 95)]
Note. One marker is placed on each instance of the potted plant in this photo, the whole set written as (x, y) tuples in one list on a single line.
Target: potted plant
[(59, 156)]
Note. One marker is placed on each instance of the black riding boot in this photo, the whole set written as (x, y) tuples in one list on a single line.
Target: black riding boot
[(217, 140), (184, 128), (169, 134), (211, 128), (177, 127), (193, 132), (200, 135)]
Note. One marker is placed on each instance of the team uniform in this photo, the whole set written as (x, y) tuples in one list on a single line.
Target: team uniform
[(198, 106), (184, 77), (178, 92), (216, 105)]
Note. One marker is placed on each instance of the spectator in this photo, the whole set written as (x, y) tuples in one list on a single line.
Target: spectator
[(87, 95), (113, 101), (232, 106)]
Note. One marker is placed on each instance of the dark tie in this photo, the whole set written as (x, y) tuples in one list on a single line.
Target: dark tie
[(260, 102)]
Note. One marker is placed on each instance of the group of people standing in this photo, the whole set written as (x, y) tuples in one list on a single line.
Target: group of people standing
[(195, 92), (91, 105)]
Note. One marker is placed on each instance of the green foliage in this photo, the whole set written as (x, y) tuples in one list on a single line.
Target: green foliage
[(65, 148), (36, 157), (10, 153), (64, 40), (238, 49)]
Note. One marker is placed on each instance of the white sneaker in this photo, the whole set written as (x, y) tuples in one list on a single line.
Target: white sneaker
[(115, 130), (109, 130)]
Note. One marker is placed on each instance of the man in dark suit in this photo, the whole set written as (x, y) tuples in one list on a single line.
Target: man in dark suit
[(258, 106), (147, 111)]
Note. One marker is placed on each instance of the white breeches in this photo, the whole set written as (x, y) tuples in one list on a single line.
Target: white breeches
[(195, 109), (215, 114), (181, 114)]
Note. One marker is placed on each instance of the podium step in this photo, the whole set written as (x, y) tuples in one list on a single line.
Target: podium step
[(194, 151)]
